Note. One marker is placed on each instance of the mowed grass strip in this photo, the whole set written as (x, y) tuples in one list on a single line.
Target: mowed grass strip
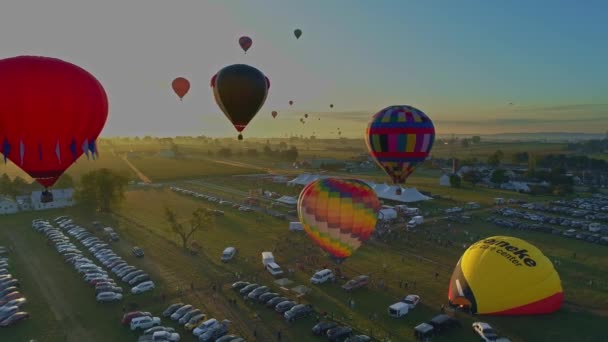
[(164, 169)]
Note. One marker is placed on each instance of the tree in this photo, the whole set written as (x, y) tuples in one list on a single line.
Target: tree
[(101, 189), (472, 176), (476, 139), (499, 176), (174, 148), (464, 143), (201, 218), (455, 181), (495, 158), (19, 184), (65, 181), (520, 157)]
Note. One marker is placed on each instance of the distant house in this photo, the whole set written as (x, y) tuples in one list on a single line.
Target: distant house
[(444, 180), (8, 206), (61, 198)]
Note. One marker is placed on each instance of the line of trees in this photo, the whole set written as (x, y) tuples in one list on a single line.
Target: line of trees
[(101, 190)]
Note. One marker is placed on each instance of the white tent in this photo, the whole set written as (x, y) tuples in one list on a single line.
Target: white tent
[(288, 200), (304, 179)]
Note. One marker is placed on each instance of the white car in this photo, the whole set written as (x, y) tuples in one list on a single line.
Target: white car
[(143, 287), (165, 336), (144, 322), (274, 269), (485, 330), (411, 300), (108, 297)]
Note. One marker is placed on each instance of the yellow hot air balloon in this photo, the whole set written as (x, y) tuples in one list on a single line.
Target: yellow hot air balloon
[(503, 275)]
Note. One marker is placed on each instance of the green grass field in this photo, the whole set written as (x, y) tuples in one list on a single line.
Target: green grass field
[(163, 169)]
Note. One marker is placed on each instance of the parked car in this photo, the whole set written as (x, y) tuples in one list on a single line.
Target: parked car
[(245, 290), (129, 316), (298, 311), (274, 301), (180, 312), (216, 331), (356, 282), (203, 327), (105, 297), (139, 279), (228, 254), (274, 269), (359, 338), (338, 333), (321, 328), (227, 338), (14, 318), (145, 322), (485, 330), (265, 297), (171, 309), (138, 252), (411, 300), (258, 292), (194, 321), (239, 285), (443, 322), (143, 287), (284, 306), (185, 318), (152, 330), (162, 336)]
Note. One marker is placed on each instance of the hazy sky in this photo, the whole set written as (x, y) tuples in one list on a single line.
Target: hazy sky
[(461, 62)]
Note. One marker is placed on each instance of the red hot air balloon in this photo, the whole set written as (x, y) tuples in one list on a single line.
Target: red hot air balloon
[(274, 113), (51, 112), (180, 87), (240, 91), (290, 103), (245, 43)]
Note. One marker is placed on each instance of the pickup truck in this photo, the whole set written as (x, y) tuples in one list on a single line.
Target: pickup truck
[(356, 282)]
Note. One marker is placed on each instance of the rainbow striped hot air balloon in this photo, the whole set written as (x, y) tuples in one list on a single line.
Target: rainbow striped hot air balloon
[(338, 214), (399, 138)]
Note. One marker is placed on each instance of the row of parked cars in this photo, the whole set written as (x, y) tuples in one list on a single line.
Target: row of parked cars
[(193, 319), (292, 311), (212, 199), (105, 288), (152, 330), (11, 300)]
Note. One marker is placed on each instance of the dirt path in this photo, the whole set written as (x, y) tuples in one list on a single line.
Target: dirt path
[(52, 289), (139, 174)]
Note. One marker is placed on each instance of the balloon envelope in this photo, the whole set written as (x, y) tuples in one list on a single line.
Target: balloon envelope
[(180, 86), (399, 138), (297, 33), (245, 43), (338, 214), (290, 103), (274, 113), (51, 112), (240, 91), (503, 275)]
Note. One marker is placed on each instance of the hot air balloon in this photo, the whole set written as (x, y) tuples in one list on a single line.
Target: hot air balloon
[(503, 275), (338, 214), (245, 43), (290, 103), (306, 116), (274, 113), (297, 33), (399, 138), (51, 112), (240, 91), (180, 87), (331, 105)]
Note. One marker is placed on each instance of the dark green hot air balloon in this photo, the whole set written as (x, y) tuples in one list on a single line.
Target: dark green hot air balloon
[(240, 91)]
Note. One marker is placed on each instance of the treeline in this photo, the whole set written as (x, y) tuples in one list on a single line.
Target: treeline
[(590, 146), (290, 154), (19, 186)]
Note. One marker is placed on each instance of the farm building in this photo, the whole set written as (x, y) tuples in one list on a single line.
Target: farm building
[(61, 198)]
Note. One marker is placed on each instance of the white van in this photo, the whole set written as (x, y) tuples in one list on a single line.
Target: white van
[(274, 269), (322, 276), (144, 322), (267, 258), (398, 310), (228, 254)]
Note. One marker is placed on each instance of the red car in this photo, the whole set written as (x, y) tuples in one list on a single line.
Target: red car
[(128, 317), (13, 319)]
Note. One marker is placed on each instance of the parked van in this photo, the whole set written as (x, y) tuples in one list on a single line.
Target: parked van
[(322, 276), (267, 258), (274, 269), (398, 310), (228, 254)]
